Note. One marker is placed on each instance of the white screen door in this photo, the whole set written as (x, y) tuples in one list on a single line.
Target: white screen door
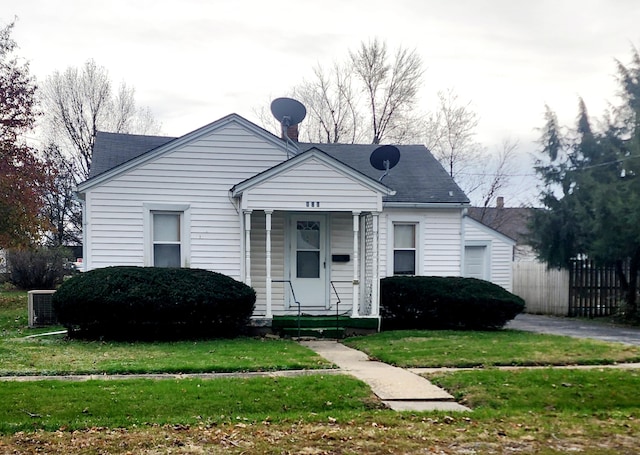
[(308, 260)]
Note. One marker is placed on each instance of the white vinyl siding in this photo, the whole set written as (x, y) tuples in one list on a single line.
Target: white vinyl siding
[(438, 233), (259, 262), (342, 272), (312, 185), (499, 251), (199, 174)]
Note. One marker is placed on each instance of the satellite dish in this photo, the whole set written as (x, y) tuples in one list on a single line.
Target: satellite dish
[(385, 157), (288, 111)]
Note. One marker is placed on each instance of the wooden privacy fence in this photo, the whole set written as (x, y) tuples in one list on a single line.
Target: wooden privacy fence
[(593, 290), (585, 290), (545, 291)]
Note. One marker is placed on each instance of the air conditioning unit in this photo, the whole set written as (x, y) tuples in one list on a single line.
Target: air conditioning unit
[(41, 309)]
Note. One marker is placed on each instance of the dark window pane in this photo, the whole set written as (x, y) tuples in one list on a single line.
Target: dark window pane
[(308, 264), (404, 262), (166, 255)]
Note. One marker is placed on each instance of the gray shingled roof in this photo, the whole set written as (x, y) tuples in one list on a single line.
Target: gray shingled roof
[(510, 221), (112, 149), (418, 177)]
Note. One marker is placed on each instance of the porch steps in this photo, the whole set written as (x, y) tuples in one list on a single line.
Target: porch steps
[(322, 326)]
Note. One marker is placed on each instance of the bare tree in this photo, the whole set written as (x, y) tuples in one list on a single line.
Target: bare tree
[(62, 208), (77, 104), (391, 88), (499, 169), (80, 102), (369, 94), (450, 133), (332, 114)]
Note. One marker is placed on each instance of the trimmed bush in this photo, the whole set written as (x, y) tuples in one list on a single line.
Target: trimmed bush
[(153, 303), (428, 302)]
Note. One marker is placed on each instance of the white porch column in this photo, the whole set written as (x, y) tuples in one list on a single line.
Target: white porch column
[(375, 273), (247, 247), (356, 267), (268, 213)]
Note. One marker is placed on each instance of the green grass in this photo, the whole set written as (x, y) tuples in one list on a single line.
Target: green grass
[(51, 405), (13, 313), (543, 411), (576, 392), (472, 349), (55, 355)]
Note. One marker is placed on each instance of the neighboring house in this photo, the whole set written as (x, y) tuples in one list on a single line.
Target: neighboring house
[(512, 222), (315, 222)]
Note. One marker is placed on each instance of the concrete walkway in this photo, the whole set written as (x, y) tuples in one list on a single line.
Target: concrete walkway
[(574, 327), (398, 388)]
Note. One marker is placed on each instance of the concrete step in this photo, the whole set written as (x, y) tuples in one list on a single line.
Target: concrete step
[(315, 332)]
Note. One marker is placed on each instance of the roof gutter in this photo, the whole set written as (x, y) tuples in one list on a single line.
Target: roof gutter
[(426, 205)]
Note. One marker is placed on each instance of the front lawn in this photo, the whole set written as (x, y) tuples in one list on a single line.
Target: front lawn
[(540, 411), (51, 405), (55, 355), (445, 348)]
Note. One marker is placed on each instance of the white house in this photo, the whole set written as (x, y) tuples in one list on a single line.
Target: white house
[(311, 227)]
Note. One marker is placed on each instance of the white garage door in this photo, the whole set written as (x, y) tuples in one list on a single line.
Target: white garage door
[(475, 262)]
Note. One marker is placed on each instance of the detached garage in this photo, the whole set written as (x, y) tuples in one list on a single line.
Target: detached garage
[(488, 254)]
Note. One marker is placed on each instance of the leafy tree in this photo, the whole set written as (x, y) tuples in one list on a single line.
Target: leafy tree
[(23, 180), (592, 189)]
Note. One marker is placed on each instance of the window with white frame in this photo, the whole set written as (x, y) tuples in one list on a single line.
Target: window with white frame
[(167, 239), (404, 249)]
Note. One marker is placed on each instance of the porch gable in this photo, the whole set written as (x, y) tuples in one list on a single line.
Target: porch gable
[(311, 181)]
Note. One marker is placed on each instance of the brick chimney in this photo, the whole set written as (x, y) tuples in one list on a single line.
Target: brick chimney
[(292, 132), (500, 202)]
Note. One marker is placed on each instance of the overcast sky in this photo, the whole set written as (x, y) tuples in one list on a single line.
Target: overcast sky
[(194, 61)]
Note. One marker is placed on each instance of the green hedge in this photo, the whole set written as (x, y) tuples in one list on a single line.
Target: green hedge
[(428, 302), (148, 302)]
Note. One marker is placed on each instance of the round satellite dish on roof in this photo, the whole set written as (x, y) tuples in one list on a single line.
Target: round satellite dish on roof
[(385, 157), (288, 111)]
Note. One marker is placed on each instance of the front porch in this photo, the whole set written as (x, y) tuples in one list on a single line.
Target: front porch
[(310, 239), (312, 264)]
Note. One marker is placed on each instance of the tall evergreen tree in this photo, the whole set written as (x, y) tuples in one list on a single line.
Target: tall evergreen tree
[(591, 189)]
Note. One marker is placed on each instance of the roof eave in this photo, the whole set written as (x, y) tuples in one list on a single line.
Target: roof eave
[(425, 205)]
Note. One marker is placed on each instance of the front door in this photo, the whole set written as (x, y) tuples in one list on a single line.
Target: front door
[(308, 262)]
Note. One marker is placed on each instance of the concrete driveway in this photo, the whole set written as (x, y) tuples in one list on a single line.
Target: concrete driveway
[(579, 328)]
